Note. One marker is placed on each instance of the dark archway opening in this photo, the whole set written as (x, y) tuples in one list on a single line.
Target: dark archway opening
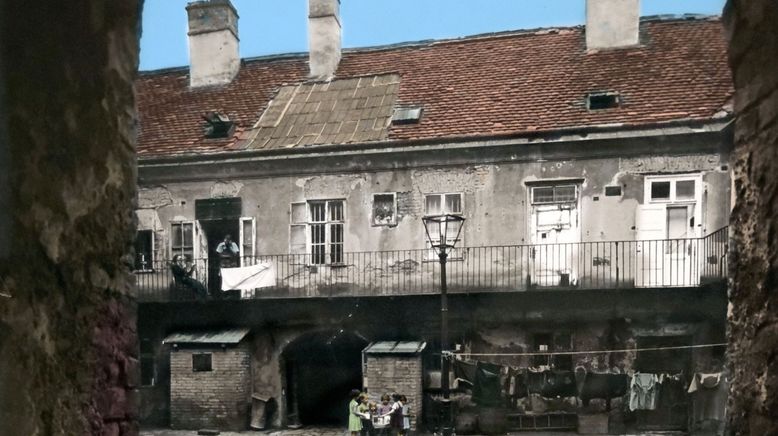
[(320, 370)]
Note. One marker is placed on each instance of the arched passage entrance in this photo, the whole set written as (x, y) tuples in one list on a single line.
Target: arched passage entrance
[(320, 369)]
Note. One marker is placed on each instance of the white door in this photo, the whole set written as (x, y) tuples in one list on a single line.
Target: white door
[(651, 226), (667, 245), (555, 236)]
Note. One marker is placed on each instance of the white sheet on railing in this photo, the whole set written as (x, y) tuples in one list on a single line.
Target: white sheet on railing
[(247, 278)]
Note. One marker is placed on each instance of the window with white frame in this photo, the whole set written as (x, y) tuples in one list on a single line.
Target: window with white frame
[(680, 197), (443, 204), (326, 222), (554, 194), (182, 239)]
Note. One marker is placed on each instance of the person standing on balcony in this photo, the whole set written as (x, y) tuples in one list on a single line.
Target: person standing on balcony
[(228, 252), (182, 275)]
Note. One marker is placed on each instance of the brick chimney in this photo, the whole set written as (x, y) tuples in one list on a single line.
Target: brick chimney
[(612, 23), (213, 42), (324, 39)]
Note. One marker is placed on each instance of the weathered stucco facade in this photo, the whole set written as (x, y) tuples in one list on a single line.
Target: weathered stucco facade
[(497, 205)]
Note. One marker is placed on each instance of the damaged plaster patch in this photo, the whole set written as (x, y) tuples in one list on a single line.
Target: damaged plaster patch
[(156, 197), (331, 186), (670, 164), (226, 189), (472, 179)]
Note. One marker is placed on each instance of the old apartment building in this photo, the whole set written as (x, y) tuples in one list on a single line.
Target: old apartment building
[(591, 165)]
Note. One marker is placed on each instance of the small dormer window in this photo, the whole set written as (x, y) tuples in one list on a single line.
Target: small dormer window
[(406, 115), (602, 100), (217, 125)]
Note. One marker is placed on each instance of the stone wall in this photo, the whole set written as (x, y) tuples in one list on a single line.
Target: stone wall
[(753, 320), (68, 360), (219, 398), (396, 374)]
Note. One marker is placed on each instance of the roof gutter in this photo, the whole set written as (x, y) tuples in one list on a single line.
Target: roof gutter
[(602, 141)]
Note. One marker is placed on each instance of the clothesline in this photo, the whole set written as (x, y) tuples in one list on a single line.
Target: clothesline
[(560, 353)]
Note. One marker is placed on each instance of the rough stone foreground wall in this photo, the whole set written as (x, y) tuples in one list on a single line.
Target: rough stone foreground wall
[(67, 358), (220, 398), (753, 329)]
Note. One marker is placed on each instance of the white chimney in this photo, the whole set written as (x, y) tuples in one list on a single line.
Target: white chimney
[(612, 23), (213, 42), (324, 38)]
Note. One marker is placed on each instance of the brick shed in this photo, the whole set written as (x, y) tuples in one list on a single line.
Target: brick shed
[(210, 379), (395, 367)]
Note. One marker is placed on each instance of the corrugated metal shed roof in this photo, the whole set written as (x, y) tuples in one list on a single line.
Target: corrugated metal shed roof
[(222, 336), (395, 347)]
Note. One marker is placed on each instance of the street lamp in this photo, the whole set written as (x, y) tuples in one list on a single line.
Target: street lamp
[(443, 233)]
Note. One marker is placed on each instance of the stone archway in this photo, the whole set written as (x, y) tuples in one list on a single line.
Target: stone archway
[(319, 370)]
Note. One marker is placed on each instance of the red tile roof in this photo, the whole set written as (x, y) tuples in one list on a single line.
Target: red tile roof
[(501, 84)]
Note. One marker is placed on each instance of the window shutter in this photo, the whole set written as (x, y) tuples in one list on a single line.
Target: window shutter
[(298, 221), (248, 232)]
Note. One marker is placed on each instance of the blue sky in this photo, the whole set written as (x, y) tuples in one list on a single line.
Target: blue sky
[(279, 26)]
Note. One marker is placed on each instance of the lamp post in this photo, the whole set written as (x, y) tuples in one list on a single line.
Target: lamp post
[(443, 233)]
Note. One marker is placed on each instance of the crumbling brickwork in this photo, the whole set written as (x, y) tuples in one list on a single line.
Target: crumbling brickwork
[(68, 359), (219, 398), (753, 319), (396, 374)]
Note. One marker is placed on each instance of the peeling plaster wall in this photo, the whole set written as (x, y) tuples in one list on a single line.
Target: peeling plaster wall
[(495, 199), (753, 319), (68, 354)]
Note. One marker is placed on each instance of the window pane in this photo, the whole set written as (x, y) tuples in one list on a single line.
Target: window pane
[(336, 210), (432, 205), (543, 194), (684, 190), (660, 190), (188, 235), (564, 194), (175, 236), (383, 209), (317, 212), (317, 234), (336, 233), (453, 203), (677, 222), (317, 254)]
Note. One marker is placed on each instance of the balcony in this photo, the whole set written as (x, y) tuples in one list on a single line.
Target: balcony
[(668, 263)]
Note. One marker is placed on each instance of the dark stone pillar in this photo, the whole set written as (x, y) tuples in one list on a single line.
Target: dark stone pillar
[(68, 353), (753, 317)]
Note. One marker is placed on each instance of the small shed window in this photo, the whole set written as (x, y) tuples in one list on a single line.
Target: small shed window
[(201, 362)]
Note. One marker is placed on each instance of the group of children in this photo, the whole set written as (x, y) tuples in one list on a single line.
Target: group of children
[(384, 419)]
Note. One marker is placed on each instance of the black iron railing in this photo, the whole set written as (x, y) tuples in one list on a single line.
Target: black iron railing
[(585, 265)]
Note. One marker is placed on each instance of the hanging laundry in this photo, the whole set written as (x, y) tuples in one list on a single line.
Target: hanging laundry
[(465, 370), (518, 384), (644, 391), (535, 381), (603, 386), (487, 389), (709, 401), (558, 384), (247, 278)]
